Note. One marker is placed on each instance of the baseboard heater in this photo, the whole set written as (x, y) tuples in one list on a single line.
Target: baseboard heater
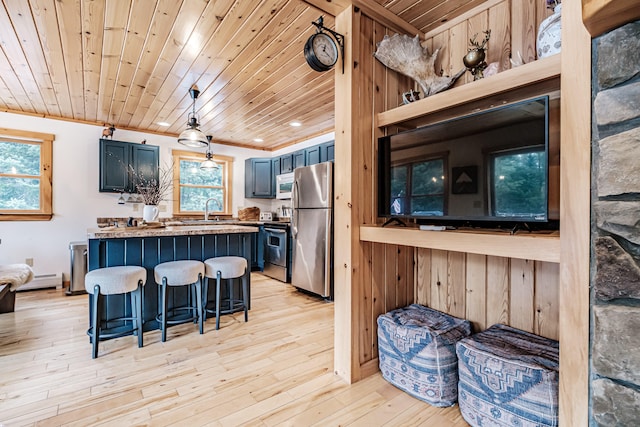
[(42, 281)]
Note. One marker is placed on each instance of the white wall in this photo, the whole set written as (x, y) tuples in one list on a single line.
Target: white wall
[(76, 199)]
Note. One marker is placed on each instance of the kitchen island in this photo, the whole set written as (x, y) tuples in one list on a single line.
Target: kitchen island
[(148, 247)]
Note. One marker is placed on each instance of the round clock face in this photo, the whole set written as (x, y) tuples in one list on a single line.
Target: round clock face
[(321, 52)]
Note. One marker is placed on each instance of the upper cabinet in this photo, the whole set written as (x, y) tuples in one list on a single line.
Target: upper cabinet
[(312, 155), (259, 178), (299, 158), (327, 151), (260, 173), (286, 163), (124, 164)]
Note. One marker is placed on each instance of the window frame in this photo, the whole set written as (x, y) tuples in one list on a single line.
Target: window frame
[(410, 162), (491, 157), (227, 179), (45, 140)]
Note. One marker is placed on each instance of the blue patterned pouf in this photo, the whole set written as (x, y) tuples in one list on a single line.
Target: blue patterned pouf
[(508, 377), (417, 352)]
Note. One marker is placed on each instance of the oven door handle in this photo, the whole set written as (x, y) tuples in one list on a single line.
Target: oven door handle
[(275, 230)]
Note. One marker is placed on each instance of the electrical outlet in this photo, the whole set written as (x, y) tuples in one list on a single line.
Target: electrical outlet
[(162, 208), (136, 207), (29, 262)]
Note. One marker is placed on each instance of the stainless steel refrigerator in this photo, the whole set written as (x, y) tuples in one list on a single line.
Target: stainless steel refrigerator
[(312, 229)]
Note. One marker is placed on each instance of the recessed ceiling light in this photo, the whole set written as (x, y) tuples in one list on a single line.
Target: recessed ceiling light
[(295, 124), (258, 140), (164, 124)]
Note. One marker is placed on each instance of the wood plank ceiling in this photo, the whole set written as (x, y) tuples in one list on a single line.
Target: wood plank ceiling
[(130, 63)]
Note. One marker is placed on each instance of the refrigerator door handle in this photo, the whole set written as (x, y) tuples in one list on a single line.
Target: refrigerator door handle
[(294, 211), (328, 261)]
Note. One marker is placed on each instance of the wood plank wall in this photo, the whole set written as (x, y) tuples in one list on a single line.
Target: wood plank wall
[(379, 277), (488, 289)]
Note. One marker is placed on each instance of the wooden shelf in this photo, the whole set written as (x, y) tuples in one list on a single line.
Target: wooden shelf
[(534, 78), (600, 16), (538, 247)]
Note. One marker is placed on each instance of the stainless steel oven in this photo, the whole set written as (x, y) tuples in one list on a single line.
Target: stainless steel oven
[(277, 251)]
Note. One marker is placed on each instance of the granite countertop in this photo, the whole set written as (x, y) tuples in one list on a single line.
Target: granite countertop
[(177, 230)]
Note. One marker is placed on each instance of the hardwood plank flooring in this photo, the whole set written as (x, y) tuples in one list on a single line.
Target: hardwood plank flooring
[(277, 369)]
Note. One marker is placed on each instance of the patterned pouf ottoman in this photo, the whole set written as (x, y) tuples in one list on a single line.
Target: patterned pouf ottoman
[(417, 352), (508, 377)]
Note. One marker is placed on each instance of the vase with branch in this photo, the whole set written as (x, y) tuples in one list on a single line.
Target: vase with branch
[(153, 191)]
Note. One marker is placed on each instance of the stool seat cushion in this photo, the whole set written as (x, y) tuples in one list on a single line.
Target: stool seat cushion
[(179, 273), (417, 352), (229, 266), (115, 280), (508, 377)]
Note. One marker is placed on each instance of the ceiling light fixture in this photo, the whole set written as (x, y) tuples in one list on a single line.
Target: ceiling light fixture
[(295, 124), (165, 124), (209, 163), (258, 140), (192, 136)]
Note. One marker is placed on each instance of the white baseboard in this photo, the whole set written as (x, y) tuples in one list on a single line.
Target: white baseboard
[(41, 281)]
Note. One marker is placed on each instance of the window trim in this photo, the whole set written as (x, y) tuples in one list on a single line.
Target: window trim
[(45, 213), (491, 157), (410, 162), (227, 180)]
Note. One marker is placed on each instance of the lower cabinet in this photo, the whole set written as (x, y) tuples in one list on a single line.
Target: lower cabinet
[(257, 248)]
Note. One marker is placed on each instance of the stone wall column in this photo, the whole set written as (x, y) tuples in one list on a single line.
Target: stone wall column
[(615, 300)]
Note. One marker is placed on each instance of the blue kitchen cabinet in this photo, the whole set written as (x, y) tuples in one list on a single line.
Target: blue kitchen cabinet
[(327, 152), (313, 155), (299, 158), (257, 249), (286, 163), (275, 171), (259, 179), (123, 165)]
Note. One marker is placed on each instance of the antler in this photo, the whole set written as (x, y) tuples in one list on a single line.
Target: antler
[(477, 45), (406, 55)]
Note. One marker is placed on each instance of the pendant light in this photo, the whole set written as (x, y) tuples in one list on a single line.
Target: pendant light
[(209, 163), (192, 136)]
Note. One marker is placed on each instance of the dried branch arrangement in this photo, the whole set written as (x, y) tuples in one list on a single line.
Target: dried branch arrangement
[(154, 191)]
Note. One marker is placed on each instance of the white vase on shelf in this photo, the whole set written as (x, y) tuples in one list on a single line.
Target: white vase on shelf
[(549, 38), (150, 213)]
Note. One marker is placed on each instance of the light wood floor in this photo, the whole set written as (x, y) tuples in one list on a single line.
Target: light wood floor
[(274, 370)]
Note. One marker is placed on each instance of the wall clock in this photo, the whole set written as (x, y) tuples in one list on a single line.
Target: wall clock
[(321, 49), (321, 52)]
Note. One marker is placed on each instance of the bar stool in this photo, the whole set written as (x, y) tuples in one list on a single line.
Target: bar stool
[(229, 268), (112, 281), (179, 273)]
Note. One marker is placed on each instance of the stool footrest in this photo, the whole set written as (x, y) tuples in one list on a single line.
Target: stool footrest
[(236, 307), (115, 332), (174, 318)]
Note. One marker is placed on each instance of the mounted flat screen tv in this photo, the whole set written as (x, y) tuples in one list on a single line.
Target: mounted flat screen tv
[(488, 168)]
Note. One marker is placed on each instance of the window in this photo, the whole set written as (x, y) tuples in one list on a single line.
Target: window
[(519, 183), (418, 188), (196, 186), (25, 175)]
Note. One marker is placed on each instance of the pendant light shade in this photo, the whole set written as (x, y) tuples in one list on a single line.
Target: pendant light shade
[(209, 163), (192, 136)]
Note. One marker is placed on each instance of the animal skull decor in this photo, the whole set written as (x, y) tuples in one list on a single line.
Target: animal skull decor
[(405, 55)]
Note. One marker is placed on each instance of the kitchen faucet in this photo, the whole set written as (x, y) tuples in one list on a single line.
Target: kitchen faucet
[(206, 207)]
